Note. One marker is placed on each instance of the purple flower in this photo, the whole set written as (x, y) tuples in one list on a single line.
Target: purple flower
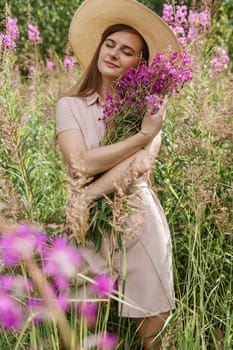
[(62, 261), (22, 243), (38, 310), (89, 311), (219, 62), (186, 25), (168, 13), (11, 313), (142, 88), (50, 64), (31, 70), (12, 33), (103, 285), (15, 284), (34, 34), (107, 341), (68, 62)]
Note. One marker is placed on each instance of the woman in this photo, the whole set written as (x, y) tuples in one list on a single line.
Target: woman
[(120, 35)]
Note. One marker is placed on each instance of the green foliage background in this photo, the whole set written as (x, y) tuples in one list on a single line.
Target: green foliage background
[(53, 19)]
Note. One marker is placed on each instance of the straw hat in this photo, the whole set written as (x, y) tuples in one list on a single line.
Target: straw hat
[(94, 16)]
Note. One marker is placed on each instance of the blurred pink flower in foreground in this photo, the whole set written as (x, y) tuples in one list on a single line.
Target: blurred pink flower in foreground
[(14, 284), (68, 62), (62, 261), (11, 313), (103, 286), (89, 311), (34, 34), (22, 243), (107, 341)]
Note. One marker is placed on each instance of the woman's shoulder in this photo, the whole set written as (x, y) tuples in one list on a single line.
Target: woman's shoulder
[(70, 100)]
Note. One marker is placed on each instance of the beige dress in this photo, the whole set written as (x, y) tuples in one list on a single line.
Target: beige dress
[(144, 272)]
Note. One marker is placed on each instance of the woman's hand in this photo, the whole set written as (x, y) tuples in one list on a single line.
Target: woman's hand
[(152, 123)]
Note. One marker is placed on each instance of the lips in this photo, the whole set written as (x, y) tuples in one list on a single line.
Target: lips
[(111, 65)]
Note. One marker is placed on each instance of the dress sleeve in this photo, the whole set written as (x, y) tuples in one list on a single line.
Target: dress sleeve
[(65, 118)]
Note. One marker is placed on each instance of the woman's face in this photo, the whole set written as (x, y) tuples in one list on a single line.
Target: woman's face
[(119, 52)]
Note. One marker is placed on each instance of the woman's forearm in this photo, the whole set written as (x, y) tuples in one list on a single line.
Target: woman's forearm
[(97, 160), (101, 159), (139, 163)]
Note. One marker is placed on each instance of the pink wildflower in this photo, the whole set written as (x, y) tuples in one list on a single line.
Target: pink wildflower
[(12, 33), (31, 70), (22, 243), (14, 284), (89, 311), (103, 286), (68, 62), (220, 61), (50, 64), (62, 261), (192, 34), (168, 13), (107, 341), (34, 34), (11, 313)]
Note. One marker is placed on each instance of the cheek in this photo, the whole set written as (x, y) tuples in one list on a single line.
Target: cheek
[(132, 63)]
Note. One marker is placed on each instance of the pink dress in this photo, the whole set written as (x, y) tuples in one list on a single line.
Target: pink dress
[(143, 273)]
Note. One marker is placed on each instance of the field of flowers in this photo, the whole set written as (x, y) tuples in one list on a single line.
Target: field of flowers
[(39, 303)]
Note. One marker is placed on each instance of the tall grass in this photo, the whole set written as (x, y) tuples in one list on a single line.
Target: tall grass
[(193, 177)]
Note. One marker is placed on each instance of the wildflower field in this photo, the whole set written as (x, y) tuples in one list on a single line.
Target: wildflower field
[(40, 308)]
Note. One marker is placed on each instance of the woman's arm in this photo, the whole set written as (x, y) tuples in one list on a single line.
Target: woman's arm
[(101, 159), (142, 161)]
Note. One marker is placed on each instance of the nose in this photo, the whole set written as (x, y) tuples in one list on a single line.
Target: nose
[(114, 53)]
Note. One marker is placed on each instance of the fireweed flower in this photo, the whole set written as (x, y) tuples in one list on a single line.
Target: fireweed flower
[(34, 34), (39, 311), (11, 34), (103, 285), (62, 261), (219, 62), (68, 62), (89, 311), (22, 243), (50, 64), (139, 89), (31, 70), (11, 313), (186, 24), (16, 285), (107, 341)]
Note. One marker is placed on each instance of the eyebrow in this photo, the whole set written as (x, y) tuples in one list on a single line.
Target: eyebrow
[(124, 46)]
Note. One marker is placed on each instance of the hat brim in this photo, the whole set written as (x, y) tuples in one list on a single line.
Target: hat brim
[(94, 16)]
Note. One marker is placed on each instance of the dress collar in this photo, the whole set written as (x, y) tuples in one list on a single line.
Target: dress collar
[(93, 98)]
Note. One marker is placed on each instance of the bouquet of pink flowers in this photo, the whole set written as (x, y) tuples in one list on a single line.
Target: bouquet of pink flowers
[(143, 89), (139, 91)]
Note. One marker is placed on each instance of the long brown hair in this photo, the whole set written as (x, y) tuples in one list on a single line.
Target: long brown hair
[(92, 78)]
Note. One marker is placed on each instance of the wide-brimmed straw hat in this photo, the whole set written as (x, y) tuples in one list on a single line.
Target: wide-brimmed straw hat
[(94, 16)]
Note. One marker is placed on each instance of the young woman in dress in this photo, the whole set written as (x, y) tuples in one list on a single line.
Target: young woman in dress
[(109, 37)]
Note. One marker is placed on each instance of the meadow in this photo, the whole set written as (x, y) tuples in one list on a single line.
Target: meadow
[(192, 177)]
